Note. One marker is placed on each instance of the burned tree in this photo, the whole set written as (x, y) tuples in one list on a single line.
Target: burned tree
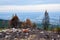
[(14, 22), (45, 21), (28, 23)]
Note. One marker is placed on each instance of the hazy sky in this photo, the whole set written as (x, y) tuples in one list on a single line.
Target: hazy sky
[(29, 5), (28, 2), (29, 8)]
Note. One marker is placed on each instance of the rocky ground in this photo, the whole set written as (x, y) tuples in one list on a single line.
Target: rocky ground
[(28, 34)]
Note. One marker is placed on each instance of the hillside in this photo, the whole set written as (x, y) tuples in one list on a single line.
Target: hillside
[(3, 23)]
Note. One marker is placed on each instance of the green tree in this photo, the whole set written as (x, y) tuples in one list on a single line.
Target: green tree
[(58, 30), (45, 21), (34, 25)]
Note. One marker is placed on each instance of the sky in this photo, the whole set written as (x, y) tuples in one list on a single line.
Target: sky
[(29, 8), (29, 5), (28, 2)]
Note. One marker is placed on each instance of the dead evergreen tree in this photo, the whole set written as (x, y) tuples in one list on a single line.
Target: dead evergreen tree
[(28, 23), (14, 21)]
